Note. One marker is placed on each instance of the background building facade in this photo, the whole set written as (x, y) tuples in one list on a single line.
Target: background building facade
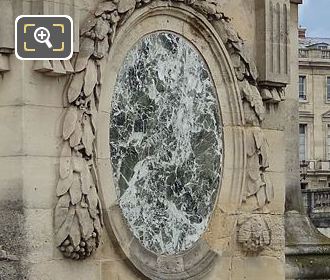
[(314, 126)]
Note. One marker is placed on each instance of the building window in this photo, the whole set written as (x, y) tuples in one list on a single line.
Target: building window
[(328, 88), (302, 141), (302, 88)]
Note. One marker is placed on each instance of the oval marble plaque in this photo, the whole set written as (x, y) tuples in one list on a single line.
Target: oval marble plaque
[(166, 142)]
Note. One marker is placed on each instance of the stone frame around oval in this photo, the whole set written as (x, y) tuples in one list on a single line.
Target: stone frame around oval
[(178, 18)]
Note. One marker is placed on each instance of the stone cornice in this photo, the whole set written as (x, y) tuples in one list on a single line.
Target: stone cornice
[(316, 63)]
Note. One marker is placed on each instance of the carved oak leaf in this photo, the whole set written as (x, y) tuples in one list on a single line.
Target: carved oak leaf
[(64, 184), (264, 154), (126, 16), (250, 144), (94, 180), (235, 59), (261, 197), (102, 28), (253, 186), (253, 70), (90, 78), (220, 28), (70, 121), (88, 135), (99, 207), (258, 137), (85, 221), (64, 230), (65, 161), (205, 7), (75, 87), (105, 7), (75, 232), (254, 181), (240, 71), (78, 164), (125, 5), (75, 138), (231, 33), (102, 48), (114, 19), (85, 178), (258, 103), (269, 188), (88, 25), (252, 95), (92, 200), (75, 190), (98, 226), (61, 211), (113, 33), (253, 167), (94, 114), (86, 50)]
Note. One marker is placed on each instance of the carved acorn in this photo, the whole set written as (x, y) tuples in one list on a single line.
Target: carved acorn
[(254, 234)]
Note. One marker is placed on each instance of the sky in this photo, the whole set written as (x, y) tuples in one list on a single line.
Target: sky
[(315, 16)]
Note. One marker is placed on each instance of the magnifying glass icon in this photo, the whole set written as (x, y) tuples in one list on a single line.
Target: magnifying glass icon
[(42, 35)]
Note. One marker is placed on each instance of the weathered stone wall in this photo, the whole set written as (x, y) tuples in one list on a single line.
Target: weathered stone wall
[(33, 105)]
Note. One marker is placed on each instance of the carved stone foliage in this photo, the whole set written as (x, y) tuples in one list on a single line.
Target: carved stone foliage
[(258, 185), (254, 234), (78, 215)]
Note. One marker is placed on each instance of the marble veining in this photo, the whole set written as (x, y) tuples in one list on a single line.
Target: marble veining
[(166, 142)]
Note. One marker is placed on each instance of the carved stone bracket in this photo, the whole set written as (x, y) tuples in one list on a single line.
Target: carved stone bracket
[(78, 215), (4, 63), (53, 67)]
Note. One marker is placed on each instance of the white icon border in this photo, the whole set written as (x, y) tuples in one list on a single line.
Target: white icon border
[(44, 16)]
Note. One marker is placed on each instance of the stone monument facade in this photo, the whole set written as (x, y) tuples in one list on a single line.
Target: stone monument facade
[(159, 150)]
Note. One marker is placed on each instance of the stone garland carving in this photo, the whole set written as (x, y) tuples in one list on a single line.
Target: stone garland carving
[(258, 184), (78, 215), (254, 234)]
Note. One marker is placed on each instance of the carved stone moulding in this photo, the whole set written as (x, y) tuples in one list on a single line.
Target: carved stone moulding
[(178, 18), (53, 67), (4, 62), (86, 174)]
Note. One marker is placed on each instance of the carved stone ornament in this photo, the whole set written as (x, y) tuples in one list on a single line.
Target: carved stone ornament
[(78, 213), (254, 234), (258, 185)]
